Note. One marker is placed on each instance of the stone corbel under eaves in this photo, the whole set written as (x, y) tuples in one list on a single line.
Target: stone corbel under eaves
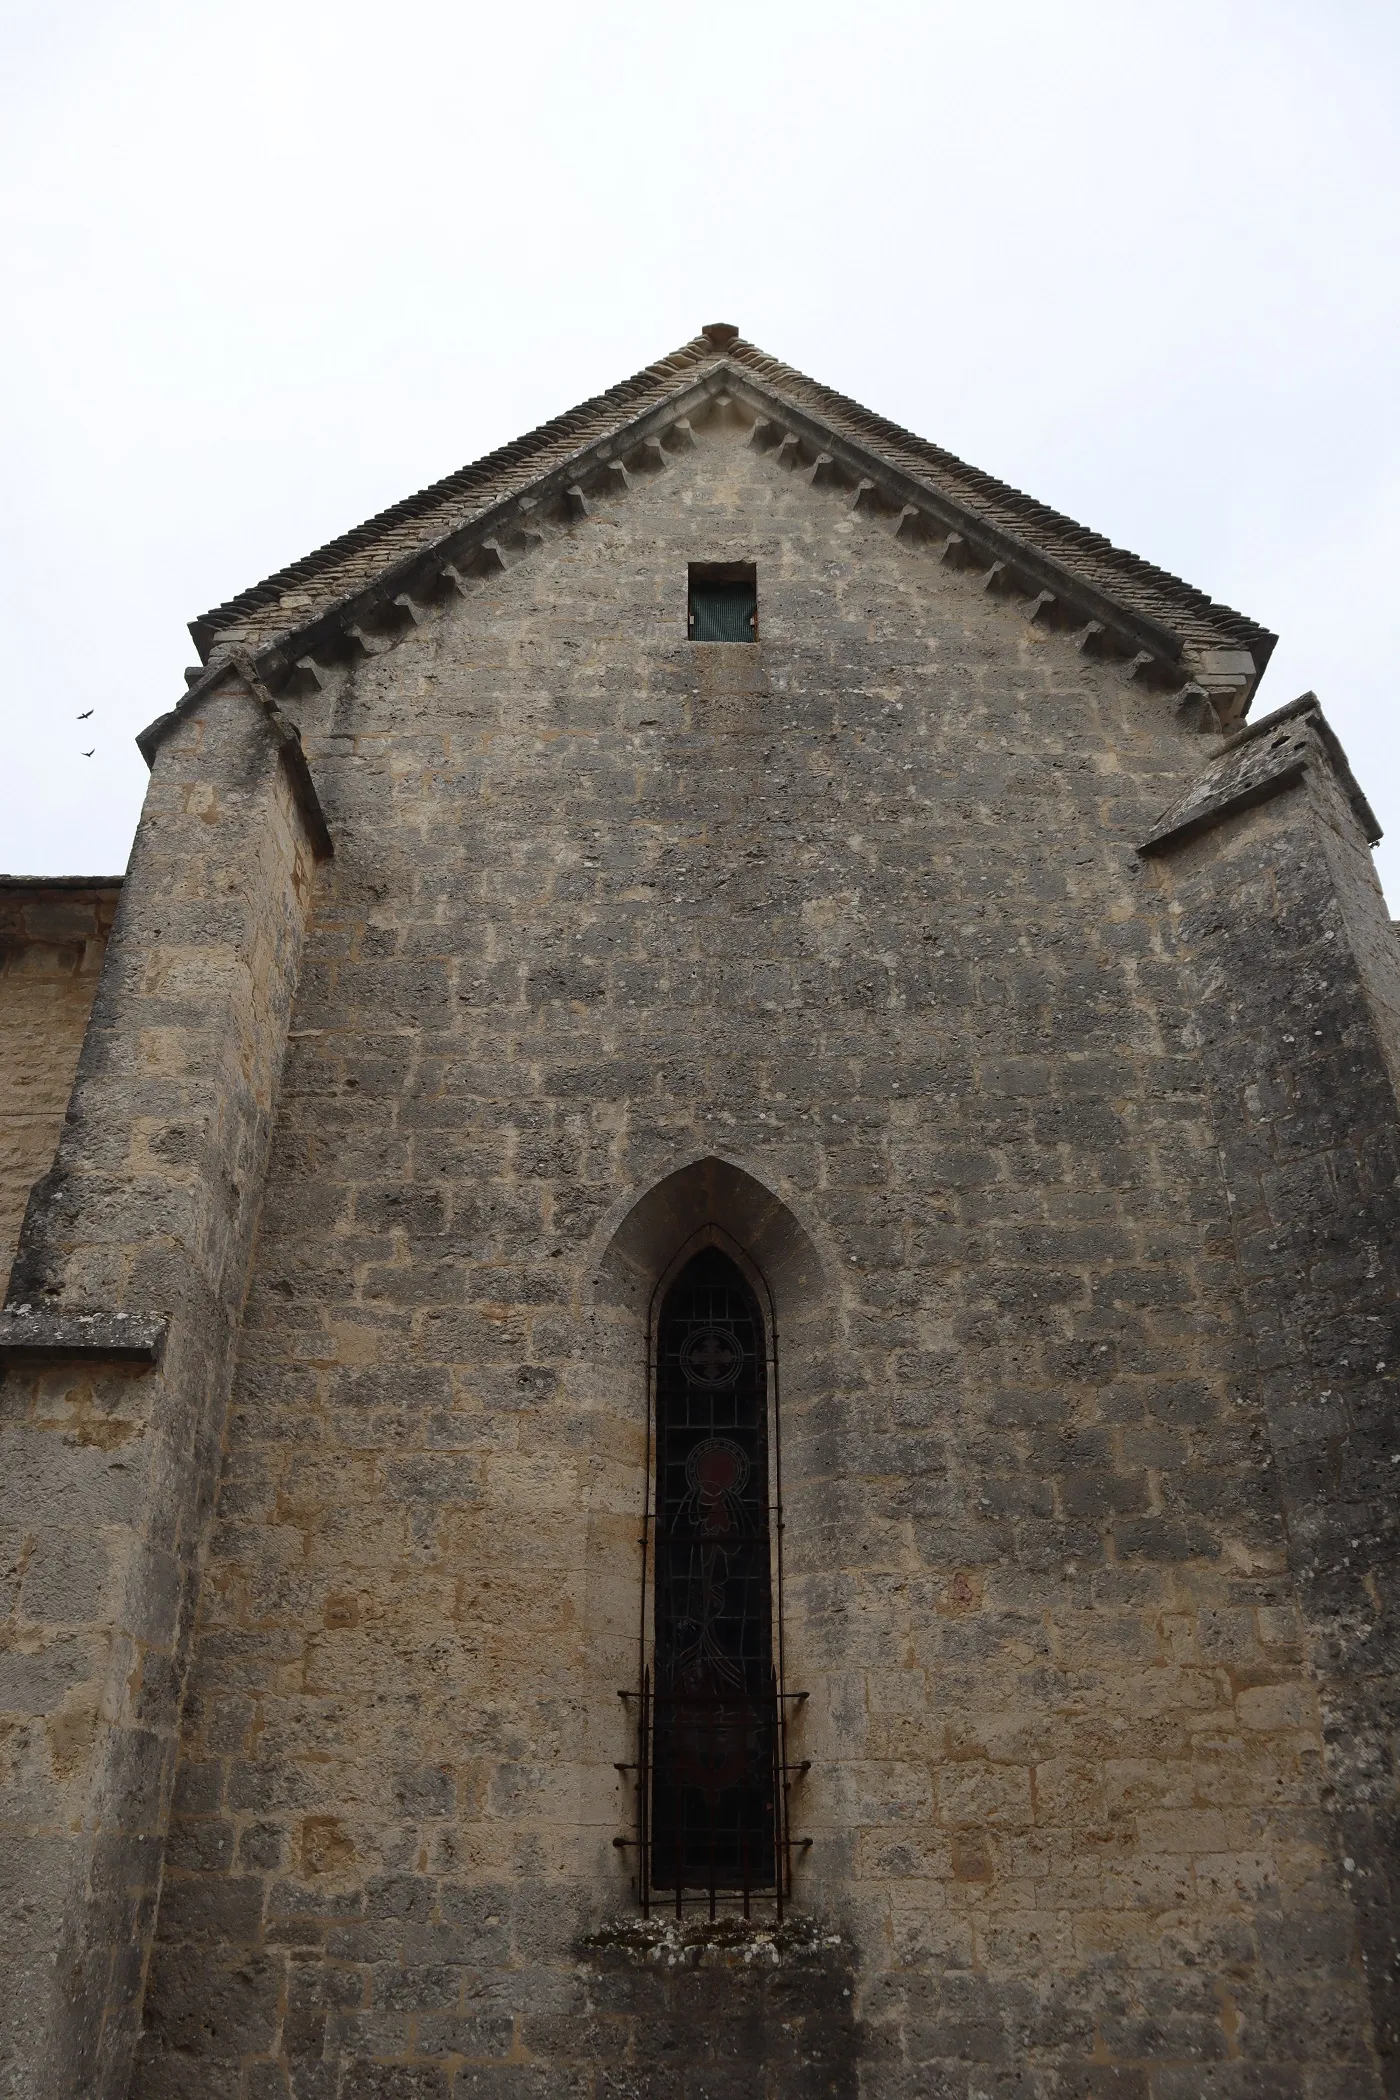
[(920, 514), (1267, 759), (288, 738), (960, 537), (476, 551)]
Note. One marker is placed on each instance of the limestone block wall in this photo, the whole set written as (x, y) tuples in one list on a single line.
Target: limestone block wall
[(108, 1466), (858, 913), (53, 936)]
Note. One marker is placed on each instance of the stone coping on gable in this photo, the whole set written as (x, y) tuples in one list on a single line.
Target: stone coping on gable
[(293, 596), (1264, 760)]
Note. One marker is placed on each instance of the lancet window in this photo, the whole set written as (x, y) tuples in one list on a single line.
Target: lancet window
[(711, 1759)]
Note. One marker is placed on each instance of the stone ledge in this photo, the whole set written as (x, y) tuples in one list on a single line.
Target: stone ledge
[(61, 882), (724, 1942), (27, 1330)]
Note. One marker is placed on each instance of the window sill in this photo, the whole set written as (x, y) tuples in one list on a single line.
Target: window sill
[(668, 1943)]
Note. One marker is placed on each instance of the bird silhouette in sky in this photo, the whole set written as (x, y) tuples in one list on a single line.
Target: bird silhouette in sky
[(88, 754), (83, 718)]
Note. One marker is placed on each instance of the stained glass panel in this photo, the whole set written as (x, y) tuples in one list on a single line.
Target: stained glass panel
[(713, 1758)]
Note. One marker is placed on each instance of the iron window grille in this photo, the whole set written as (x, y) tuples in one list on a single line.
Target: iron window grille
[(723, 604), (713, 1777)]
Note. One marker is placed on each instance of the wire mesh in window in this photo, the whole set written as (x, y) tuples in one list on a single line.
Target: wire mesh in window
[(723, 607)]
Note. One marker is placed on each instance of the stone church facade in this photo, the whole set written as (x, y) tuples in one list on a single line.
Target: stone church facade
[(939, 972)]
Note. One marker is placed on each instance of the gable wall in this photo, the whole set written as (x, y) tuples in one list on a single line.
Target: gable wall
[(858, 910)]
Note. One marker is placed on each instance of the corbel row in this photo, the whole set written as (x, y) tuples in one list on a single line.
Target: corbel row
[(373, 620), (376, 620), (917, 524)]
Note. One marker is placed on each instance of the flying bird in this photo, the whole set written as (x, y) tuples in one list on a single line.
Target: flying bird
[(88, 754), (83, 718)]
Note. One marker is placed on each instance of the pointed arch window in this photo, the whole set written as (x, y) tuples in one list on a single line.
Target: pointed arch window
[(711, 1764)]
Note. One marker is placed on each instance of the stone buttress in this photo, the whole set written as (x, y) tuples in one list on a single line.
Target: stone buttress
[(1290, 994), (117, 1338)]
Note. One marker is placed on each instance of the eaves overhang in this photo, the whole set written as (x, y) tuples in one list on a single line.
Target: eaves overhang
[(1144, 608), (462, 494), (984, 541), (416, 576)]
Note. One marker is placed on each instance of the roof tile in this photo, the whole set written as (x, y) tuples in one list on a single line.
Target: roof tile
[(353, 561)]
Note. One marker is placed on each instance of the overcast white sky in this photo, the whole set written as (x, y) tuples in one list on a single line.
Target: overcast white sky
[(271, 265)]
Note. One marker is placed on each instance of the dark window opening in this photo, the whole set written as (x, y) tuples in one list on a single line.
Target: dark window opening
[(723, 602), (715, 1734)]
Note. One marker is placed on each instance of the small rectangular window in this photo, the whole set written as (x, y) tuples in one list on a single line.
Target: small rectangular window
[(723, 601)]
